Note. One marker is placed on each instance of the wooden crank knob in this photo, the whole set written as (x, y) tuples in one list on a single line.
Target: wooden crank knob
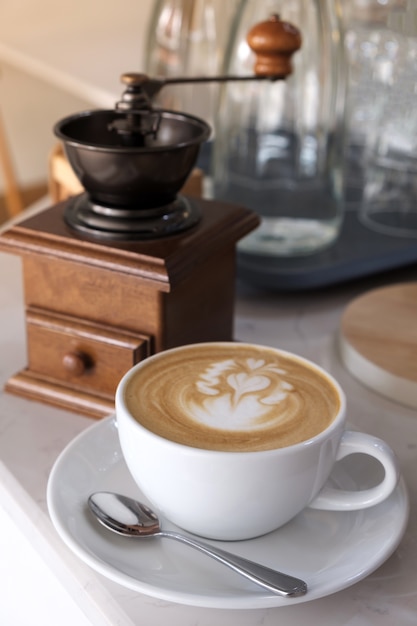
[(274, 42)]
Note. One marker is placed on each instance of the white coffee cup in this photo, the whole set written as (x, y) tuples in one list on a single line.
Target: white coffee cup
[(239, 493)]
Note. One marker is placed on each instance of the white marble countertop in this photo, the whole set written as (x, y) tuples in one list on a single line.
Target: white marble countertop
[(32, 435)]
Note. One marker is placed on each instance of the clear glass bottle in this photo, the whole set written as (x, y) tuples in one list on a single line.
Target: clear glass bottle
[(389, 200), (187, 38), (375, 55), (279, 145)]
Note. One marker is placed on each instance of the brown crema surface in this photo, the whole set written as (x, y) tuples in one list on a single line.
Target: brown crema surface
[(231, 397)]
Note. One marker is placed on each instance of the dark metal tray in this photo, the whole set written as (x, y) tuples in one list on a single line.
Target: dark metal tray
[(358, 252)]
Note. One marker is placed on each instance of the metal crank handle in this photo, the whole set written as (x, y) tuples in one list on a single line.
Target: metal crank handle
[(273, 43)]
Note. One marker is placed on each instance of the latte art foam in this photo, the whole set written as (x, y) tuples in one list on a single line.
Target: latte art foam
[(239, 394), (231, 397)]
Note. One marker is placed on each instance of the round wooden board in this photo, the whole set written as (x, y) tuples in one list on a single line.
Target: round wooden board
[(378, 341)]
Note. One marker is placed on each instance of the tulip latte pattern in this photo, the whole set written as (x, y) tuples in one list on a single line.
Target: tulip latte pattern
[(241, 394), (232, 397)]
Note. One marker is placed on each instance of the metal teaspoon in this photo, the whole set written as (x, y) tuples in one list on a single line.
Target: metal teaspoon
[(131, 518)]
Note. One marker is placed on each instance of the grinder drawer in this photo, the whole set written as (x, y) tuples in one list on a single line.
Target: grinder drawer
[(79, 354)]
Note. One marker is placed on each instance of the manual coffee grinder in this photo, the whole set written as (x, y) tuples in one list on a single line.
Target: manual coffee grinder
[(130, 267)]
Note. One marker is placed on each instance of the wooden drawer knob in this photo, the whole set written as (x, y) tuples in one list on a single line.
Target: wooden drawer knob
[(76, 363)]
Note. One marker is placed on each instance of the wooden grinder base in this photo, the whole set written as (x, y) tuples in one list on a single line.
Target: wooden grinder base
[(95, 308)]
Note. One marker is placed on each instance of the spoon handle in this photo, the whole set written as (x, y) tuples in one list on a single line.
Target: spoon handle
[(270, 579)]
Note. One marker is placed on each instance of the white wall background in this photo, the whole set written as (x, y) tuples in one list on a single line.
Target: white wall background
[(31, 106)]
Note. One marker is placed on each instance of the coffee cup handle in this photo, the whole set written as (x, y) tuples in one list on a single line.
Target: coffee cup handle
[(332, 499)]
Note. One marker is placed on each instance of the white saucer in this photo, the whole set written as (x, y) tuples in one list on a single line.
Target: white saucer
[(329, 550)]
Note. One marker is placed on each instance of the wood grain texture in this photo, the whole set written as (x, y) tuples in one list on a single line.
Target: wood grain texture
[(382, 327), (94, 308), (165, 261), (47, 390), (13, 196), (106, 353)]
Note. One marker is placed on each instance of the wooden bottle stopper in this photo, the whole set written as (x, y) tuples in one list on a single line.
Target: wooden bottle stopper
[(274, 42)]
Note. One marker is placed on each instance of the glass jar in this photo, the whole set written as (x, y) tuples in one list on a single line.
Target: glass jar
[(187, 38), (389, 198), (375, 55), (279, 145)]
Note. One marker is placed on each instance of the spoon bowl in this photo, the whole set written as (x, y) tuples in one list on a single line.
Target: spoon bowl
[(130, 518), (124, 515)]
